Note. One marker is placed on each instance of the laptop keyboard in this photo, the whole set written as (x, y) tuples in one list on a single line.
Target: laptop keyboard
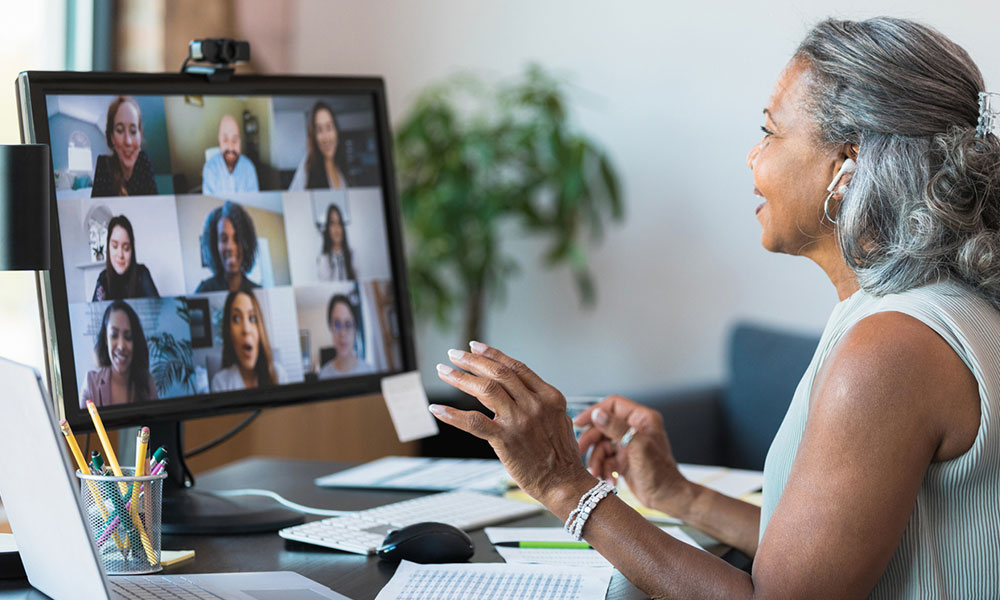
[(363, 531), (157, 587)]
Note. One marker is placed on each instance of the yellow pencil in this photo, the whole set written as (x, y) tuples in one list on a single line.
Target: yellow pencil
[(109, 452), (117, 470), (142, 442), (82, 464)]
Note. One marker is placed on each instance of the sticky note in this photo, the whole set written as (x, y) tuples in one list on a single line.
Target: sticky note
[(407, 402)]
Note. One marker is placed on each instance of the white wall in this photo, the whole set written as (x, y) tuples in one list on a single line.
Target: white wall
[(674, 91)]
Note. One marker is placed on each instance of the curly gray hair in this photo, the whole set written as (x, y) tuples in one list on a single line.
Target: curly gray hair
[(924, 202)]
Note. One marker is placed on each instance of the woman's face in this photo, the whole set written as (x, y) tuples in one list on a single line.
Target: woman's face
[(336, 230), (119, 340), (244, 327), (126, 136), (120, 250), (228, 247), (791, 170), (326, 133), (343, 327)]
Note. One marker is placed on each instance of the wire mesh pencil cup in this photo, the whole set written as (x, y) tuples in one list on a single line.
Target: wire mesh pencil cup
[(125, 517)]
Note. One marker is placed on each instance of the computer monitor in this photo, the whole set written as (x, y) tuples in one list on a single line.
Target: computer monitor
[(216, 247)]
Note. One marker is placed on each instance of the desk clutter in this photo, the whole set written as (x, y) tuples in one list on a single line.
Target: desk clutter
[(122, 505)]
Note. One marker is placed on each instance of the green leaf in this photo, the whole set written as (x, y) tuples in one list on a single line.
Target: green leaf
[(471, 156)]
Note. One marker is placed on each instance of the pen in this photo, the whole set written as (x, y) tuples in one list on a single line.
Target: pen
[(546, 545), (159, 461)]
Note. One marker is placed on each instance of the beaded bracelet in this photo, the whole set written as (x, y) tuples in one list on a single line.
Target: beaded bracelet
[(578, 517)]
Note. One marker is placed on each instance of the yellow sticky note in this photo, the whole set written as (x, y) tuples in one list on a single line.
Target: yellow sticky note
[(168, 558)]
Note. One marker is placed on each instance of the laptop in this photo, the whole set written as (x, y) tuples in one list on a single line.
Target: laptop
[(41, 498)]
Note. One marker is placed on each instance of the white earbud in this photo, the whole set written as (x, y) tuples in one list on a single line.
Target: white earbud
[(848, 167)]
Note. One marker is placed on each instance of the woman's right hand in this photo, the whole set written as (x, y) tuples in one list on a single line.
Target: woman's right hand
[(646, 462)]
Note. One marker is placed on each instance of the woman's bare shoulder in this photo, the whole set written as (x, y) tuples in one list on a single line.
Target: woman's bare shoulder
[(891, 365)]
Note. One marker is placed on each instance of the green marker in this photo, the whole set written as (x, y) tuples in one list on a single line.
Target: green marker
[(547, 545)]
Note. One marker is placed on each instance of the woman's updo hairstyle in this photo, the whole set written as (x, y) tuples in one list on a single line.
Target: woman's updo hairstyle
[(924, 202)]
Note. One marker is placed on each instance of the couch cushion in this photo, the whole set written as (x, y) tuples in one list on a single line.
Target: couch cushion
[(765, 366)]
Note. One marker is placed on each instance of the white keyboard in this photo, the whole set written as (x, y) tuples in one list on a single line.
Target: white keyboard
[(363, 531)]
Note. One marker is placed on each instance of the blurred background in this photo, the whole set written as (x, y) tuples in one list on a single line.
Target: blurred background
[(672, 92)]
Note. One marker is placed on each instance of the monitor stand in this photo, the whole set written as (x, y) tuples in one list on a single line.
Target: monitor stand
[(187, 511)]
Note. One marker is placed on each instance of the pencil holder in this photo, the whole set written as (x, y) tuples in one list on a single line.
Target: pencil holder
[(125, 517)]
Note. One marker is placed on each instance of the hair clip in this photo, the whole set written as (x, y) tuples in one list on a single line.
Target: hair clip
[(989, 113)]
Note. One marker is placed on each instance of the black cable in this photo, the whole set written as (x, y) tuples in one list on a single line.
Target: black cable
[(205, 447), (185, 64)]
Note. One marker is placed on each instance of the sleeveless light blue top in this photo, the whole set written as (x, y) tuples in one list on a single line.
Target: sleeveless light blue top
[(951, 545)]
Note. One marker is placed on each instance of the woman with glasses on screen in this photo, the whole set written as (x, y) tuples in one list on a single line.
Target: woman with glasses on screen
[(122, 376), (883, 480), (321, 167), (229, 246), (127, 171), (122, 276), (335, 262), (246, 349), (344, 321)]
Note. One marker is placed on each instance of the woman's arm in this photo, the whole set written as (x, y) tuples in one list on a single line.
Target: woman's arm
[(892, 398), (647, 465)]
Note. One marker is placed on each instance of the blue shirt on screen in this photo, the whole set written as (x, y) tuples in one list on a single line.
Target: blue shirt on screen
[(216, 178)]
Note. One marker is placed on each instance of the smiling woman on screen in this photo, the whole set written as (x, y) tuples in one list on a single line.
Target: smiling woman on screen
[(127, 171), (122, 276), (122, 355), (884, 478)]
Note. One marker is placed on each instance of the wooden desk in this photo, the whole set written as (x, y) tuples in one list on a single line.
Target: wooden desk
[(355, 576)]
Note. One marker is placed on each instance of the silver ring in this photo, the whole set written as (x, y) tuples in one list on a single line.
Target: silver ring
[(624, 442)]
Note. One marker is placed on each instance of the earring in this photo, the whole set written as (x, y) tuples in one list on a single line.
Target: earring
[(826, 203)]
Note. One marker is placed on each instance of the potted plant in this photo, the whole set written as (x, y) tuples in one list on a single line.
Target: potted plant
[(471, 156)]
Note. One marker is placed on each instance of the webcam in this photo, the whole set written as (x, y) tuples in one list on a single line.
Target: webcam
[(221, 51)]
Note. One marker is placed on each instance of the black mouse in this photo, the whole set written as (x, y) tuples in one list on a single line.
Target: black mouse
[(427, 543)]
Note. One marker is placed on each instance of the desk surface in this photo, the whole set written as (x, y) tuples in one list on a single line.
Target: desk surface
[(358, 577)]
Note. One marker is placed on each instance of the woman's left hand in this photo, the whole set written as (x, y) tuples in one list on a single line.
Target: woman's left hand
[(530, 430)]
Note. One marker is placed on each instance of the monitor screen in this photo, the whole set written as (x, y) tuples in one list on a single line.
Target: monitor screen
[(219, 246)]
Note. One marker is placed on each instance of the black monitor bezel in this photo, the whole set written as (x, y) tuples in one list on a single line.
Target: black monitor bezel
[(32, 89)]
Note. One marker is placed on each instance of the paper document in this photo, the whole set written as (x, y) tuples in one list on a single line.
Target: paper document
[(731, 482), (407, 402), (495, 581), (420, 473), (556, 556)]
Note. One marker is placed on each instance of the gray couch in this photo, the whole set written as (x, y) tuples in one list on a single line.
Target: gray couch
[(733, 423)]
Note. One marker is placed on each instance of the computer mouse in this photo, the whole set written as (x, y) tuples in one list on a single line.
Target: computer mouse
[(428, 542)]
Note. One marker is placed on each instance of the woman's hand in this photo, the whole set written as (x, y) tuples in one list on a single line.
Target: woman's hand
[(530, 430), (643, 458)]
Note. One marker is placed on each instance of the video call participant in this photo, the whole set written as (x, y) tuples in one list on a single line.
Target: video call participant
[(320, 169), (246, 350), (335, 262), (127, 170), (122, 276), (122, 376), (344, 320), (229, 246), (229, 171)]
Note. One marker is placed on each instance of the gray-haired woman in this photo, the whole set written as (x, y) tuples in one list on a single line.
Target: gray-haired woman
[(884, 478)]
